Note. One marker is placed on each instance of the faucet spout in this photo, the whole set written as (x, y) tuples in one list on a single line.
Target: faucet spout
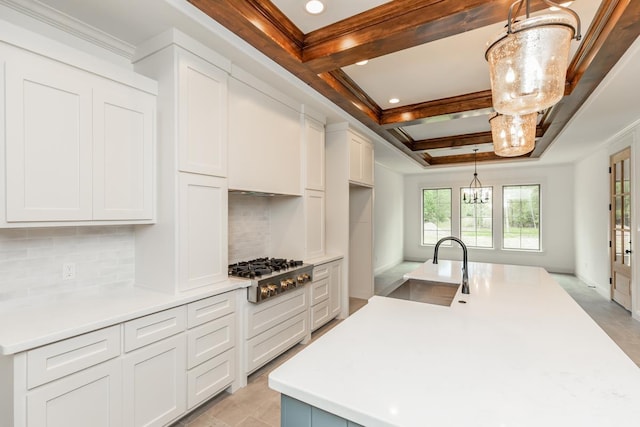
[(465, 262)]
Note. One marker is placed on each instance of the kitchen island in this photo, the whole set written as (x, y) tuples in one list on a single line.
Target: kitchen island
[(518, 351)]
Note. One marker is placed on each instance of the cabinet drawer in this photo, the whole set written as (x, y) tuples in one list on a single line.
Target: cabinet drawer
[(152, 328), (319, 314), (209, 340), (321, 271), (210, 378), (266, 346), (273, 312), (62, 358), (209, 309), (319, 291)]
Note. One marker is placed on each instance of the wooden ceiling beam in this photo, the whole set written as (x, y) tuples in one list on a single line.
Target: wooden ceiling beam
[(412, 114), (469, 158), (399, 25), (453, 141)]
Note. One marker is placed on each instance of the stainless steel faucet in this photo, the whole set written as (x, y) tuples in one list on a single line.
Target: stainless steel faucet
[(465, 266)]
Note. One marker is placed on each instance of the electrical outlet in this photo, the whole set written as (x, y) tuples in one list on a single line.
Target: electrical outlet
[(68, 271)]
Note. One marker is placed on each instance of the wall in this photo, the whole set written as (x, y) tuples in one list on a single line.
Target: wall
[(557, 240), (592, 220), (31, 258), (388, 221), (249, 227)]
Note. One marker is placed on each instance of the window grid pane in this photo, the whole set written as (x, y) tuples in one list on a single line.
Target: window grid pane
[(476, 220), (521, 217), (436, 215)]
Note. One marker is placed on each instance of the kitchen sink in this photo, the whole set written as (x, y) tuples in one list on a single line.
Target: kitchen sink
[(440, 293)]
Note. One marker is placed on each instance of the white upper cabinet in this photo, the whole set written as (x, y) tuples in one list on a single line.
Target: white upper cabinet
[(202, 117), (265, 138), (123, 143), (314, 151), (360, 160), (48, 141), (79, 148)]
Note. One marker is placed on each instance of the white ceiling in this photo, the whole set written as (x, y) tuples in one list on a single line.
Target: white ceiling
[(447, 67)]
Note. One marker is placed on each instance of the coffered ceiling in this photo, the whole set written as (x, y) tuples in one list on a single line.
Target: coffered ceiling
[(427, 53)]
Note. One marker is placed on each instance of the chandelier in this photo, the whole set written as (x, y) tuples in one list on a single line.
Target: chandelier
[(475, 193), (513, 135), (528, 63)]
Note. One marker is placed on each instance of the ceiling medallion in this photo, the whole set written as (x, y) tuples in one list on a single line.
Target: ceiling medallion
[(513, 135), (528, 63), (475, 193)]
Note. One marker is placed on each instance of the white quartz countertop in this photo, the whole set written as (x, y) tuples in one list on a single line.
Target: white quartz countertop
[(30, 322), (519, 352)]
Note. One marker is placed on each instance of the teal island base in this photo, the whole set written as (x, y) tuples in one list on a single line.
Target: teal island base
[(295, 413)]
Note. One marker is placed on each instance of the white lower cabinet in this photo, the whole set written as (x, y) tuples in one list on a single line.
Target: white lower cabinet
[(325, 293), (92, 397), (154, 388), (148, 371)]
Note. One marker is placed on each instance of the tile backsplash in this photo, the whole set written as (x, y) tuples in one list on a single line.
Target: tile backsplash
[(31, 259), (249, 227)]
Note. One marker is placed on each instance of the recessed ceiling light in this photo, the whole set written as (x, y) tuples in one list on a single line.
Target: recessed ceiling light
[(314, 7), (394, 101), (362, 62)]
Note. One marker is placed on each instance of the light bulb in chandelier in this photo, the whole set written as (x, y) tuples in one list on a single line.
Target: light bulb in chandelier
[(528, 63)]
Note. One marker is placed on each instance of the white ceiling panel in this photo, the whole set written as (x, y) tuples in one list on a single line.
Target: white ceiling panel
[(449, 127)]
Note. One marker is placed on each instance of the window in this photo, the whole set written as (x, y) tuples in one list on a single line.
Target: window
[(436, 215), (476, 219), (521, 217)]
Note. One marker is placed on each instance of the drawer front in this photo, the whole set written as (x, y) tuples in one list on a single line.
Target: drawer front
[(266, 346), (273, 312), (62, 358), (319, 291), (209, 340), (152, 328), (209, 309), (321, 271), (319, 315), (210, 378)]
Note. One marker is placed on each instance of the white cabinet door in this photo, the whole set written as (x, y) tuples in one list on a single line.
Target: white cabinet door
[(48, 140), (314, 206), (335, 285), (123, 158), (202, 117), (360, 160), (92, 397), (202, 230), (314, 148), (154, 377)]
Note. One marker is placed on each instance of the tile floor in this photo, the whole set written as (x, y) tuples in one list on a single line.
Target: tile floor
[(257, 405)]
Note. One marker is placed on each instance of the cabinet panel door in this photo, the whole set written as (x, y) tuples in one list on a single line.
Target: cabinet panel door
[(203, 231), (335, 284), (210, 339), (48, 140), (355, 158), (314, 223), (210, 378), (123, 152), (367, 163), (92, 397), (202, 119), (314, 146), (154, 390)]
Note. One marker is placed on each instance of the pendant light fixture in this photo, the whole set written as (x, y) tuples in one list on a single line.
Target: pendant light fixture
[(513, 135), (528, 63), (475, 193)]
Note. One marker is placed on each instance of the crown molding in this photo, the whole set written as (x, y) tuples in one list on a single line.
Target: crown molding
[(70, 25)]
